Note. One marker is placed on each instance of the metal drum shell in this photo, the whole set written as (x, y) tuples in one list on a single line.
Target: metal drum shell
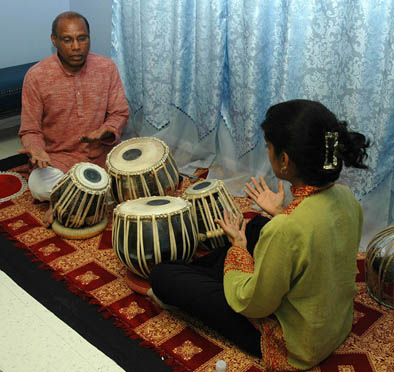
[(379, 267)]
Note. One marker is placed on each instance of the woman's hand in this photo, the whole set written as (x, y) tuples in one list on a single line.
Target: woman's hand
[(266, 199), (231, 226)]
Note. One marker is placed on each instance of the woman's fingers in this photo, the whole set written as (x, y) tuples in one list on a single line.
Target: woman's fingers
[(281, 188), (258, 187), (220, 223), (243, 227), (229, 219), (226, 217), (252, 190), (263, 183)]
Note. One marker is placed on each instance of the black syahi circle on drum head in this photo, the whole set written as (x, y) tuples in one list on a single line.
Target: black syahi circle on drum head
[(142, 167), (149, 230)]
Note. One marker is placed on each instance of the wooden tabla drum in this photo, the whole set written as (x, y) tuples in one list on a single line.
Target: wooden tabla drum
[(150, 230), (379, 267), (142, 167), (79, 201), (209, 198)]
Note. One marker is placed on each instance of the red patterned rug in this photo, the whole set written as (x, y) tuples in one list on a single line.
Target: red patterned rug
[(92, 269)]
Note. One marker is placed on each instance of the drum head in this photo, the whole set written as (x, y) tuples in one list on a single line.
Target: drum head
[(90, 176), (202, 187), (152, 206), (137, 155)]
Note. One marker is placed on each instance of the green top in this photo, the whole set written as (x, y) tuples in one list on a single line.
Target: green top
[(303, 271)]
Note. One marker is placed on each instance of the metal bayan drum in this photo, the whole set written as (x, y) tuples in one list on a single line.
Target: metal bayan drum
[(209, 198), (379, 267), (80, 198), (150, 230), (142, 167)]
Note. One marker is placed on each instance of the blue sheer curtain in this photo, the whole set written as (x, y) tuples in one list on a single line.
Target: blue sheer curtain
[(171, 53), (222, 63)]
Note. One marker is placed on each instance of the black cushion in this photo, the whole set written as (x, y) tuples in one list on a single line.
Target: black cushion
[(11, 82)]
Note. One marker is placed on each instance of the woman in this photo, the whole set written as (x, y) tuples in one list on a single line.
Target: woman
[(285, 295)]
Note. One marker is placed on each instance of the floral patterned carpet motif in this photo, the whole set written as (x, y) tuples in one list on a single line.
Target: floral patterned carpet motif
[(92, 270)]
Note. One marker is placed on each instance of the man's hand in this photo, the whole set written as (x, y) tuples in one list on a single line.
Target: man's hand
[(100, 134), (38, 157), (266, 199)]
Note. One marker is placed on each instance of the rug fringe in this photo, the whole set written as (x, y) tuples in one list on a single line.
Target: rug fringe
[(168, 359)]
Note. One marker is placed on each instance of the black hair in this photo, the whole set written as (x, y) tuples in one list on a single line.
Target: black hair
[(68, 15), (300, 127)]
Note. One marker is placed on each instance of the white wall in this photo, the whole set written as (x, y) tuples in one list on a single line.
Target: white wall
[(25, 27), (99, 16)]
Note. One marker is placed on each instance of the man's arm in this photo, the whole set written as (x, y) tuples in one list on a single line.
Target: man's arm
[(30, 131)]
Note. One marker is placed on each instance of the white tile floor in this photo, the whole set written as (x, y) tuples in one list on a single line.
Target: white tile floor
[(27, 327)]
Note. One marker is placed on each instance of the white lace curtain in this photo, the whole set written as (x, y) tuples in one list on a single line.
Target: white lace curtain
[(200, 74)]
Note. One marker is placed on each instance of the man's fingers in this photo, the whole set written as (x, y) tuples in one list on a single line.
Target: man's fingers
[(107, 135), (87, 139)]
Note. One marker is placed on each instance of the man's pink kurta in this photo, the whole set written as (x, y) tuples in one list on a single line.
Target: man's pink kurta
[(58, 108)]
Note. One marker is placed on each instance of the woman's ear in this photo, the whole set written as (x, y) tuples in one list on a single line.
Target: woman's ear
[(284, 160)]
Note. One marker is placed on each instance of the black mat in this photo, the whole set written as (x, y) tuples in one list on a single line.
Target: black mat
[(83, 317)]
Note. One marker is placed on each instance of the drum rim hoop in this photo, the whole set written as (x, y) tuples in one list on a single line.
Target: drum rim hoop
[(111, 167), (187, 207), (149, 216), (103, 190), (220, 183)]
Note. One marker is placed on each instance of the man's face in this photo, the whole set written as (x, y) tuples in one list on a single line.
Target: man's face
[(72, 42)]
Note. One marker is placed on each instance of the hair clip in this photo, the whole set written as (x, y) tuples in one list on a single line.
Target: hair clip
[(331, 158)]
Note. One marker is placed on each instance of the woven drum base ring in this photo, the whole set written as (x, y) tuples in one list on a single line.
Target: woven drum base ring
[(80, 233)]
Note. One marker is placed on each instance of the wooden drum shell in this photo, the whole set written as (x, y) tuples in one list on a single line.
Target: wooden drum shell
[(209, 198), (141, 241), (133, 178), (76, 205)]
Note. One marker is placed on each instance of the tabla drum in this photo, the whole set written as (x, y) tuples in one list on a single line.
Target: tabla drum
[(79, 201), (209, 198), (379, 267), (142, 167), (150, 230)]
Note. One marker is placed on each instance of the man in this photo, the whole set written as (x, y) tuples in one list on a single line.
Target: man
[(73, 107)]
